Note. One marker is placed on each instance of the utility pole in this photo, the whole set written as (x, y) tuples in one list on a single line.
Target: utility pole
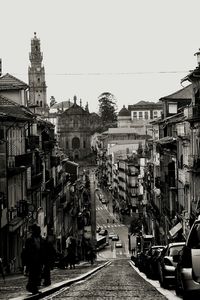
[(93, 209)]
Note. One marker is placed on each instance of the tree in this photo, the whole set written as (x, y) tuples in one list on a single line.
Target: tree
[(107, 108)]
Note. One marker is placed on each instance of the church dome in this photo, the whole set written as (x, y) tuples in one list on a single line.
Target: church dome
[(124, 112)]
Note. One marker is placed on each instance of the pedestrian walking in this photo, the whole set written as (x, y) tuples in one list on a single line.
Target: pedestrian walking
[(34, 253), (49, 260), (1, 269), (72, 253)]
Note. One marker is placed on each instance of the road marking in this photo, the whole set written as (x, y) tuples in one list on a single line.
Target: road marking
[(114, 253)]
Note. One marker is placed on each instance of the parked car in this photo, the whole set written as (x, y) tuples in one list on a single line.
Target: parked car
[(188, 266), (103, 232), (115, 237), (152, 256), (111, 234), (119, 244), (167, 264)]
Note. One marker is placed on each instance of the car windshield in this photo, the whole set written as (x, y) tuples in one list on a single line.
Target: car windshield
[(175, 250)]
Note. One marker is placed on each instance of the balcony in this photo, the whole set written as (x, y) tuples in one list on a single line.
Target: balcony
[(47, 146), (18, 163), (194, 113), (33, 142), (55, 161), (36, 181), (23, 160)]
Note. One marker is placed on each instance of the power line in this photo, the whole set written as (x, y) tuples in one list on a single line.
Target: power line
[(111, 73)]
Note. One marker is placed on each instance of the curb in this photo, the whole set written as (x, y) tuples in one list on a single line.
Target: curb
[(167, 293), (57, 286)]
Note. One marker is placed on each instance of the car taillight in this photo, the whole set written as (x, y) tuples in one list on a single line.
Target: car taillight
[(186, 258), (167, 262)]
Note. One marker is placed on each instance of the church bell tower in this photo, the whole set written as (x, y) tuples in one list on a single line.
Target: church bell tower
[(37, 84)]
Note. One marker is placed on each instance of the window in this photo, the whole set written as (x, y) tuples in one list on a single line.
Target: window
[(135, 114), (140, 115), (41, 103), (75, 143), (172, 108), (67, 145), (38, 79), (146, 115), (84, 144)]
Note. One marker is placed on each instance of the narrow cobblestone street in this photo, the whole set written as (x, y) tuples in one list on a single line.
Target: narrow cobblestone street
[(116, 281)]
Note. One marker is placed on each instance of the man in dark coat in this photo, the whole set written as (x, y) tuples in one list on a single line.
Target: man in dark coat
[(34, 253), (49, 260)]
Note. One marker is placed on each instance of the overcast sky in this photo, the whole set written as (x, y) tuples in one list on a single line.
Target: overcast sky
[(135, 49)]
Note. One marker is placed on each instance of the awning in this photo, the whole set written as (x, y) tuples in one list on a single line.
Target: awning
[(175, 229)]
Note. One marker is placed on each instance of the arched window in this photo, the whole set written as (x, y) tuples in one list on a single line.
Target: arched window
[(75, 143), (41, 103), (84, 144)]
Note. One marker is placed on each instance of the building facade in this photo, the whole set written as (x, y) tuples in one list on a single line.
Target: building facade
[(74, 132)]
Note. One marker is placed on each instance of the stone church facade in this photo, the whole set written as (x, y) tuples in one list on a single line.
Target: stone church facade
[(74, 131)]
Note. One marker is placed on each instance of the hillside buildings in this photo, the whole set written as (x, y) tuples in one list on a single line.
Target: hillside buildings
[(38, 182), (162, 194)]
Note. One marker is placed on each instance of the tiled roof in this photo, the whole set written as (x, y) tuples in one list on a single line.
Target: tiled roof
[(9, 82), (185, 93), (9, 108), (144, 103)]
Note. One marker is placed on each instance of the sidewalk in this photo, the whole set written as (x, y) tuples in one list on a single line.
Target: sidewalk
[(15, 285)]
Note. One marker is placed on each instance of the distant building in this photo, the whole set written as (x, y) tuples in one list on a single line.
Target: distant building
[(37, 84), (139, 116), (75, 127), (145, 110)]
